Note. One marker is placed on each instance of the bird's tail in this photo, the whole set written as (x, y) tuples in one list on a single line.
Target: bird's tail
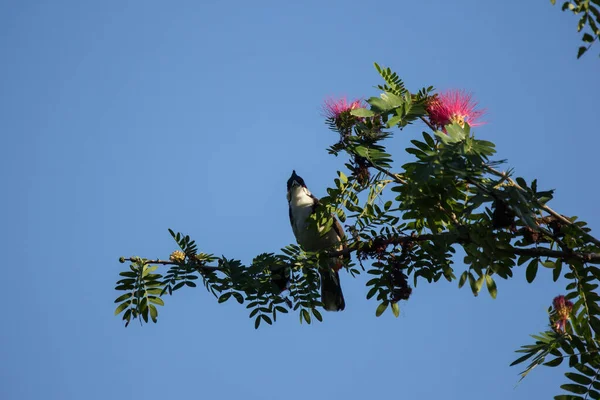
[(331, 290)]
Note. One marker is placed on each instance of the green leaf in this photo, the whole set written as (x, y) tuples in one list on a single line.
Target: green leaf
[(584, 369), (554, 363), (421, 146), (557, 270), (153, 313), (456, 133), (549, 264), (395, 309), (267, 319), (257, 322), (595, 324), (239, 298), (578, 378), (372, 291), (343, 177), (378, 103), (156, 300), (123, 297), (429, 139), (391, 99), (361, 151), (479, 284), (362, 112), (387, 205), (587, 38), (462, 280), (317, 314), (395, 120), (574, 388), (581, 51), (532, 270), (224, 297), (523, 358), (144, 313), (304, 313), (491, 286), (121, 307), (381, 308), (149, 269), (472, 283)]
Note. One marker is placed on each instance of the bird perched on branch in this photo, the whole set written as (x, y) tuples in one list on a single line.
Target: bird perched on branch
[(302, 204)]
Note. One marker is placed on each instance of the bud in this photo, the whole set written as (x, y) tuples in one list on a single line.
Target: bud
[(177, 256), (562, 310)]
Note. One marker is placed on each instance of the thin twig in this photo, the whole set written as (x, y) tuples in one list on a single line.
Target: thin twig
[(397, 240), (199, 267), (394, 177), (428, 124)]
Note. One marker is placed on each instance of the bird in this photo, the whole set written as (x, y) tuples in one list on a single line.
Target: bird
[(302, 203)]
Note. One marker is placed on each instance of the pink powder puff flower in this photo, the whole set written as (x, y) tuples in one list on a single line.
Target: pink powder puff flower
[(333, 108), (454, 106), (563, 308)]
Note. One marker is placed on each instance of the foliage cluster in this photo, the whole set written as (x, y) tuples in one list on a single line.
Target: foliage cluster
[(406, 224)]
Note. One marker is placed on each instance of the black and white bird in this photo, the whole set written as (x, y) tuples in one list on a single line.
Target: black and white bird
[(302, 204)]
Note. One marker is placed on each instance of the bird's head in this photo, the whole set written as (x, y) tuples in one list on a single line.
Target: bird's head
[(293, 184), (294, 181)]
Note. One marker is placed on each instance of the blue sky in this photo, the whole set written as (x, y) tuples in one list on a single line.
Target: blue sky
[(119, 120)]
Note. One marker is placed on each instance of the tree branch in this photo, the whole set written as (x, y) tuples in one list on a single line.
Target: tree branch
[(397, 240), (532, 251), (546, 208), (545, 252), (400, 240)]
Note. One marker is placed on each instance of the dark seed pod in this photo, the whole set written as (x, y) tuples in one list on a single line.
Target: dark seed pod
[(503, 216)]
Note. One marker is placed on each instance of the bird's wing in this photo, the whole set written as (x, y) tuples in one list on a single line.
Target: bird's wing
[(316, 202), (337, 227), (340, 232)]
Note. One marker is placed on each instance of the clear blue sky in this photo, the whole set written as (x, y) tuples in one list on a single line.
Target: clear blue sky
[(121, 119)]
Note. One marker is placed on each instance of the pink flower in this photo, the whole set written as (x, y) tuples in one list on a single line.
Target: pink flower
[(453, 106), (563, 308), (332, 108)]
